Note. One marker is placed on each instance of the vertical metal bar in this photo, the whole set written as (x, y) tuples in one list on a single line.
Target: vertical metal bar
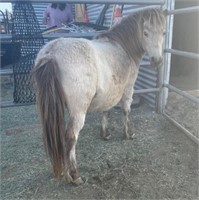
[(164, 73), (160, 86), (168, 60), (161, 69)]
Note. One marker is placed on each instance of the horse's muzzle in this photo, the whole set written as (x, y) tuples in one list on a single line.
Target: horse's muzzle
[(156, 62)]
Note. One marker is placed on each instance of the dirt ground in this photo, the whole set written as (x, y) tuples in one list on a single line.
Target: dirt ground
[(184, 111), (159, 163)]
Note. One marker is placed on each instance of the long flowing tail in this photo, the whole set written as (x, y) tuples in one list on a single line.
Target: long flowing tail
[(51, 103)]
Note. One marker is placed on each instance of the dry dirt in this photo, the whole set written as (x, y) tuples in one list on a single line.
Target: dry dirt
[(184, 111)]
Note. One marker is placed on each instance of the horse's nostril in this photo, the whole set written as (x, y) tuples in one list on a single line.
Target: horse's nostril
[(156, 61)]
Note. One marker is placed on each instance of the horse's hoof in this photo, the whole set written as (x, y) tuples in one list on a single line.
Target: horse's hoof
[(107, 137), (79, 181), (129, 137), (132, 136)]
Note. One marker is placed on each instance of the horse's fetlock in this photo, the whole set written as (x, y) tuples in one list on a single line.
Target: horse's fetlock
[(107, 137), (105, 134), (67, 177), (132, 136), (127, 136)]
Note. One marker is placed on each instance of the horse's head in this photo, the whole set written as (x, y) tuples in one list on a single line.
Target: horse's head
[(153, 35)]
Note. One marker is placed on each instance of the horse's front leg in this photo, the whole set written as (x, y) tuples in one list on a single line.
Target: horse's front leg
[(104, 130), (126, 108), (128, 133)]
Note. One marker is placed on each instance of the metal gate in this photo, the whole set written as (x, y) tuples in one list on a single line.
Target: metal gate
[(165, 73)]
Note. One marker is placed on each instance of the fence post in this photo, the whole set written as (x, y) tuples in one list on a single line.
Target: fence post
[(164, 71)]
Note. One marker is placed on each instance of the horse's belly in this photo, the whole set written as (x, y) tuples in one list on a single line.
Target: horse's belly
[(105, 100)]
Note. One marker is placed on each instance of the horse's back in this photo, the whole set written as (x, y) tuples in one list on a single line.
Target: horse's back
[(71, 50)]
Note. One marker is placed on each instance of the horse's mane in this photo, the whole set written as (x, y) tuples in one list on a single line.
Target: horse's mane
[(128, 32)]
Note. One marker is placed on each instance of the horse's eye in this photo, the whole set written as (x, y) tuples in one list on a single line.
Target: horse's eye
[(146, 34)]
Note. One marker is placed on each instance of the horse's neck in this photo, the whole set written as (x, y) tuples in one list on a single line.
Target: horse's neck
[(130, 40), (137, 55)]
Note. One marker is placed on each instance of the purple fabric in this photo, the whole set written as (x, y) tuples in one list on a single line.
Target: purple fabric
[(56, 17)]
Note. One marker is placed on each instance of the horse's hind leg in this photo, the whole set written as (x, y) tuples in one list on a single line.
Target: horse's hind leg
[(104, 131), (71, 173)]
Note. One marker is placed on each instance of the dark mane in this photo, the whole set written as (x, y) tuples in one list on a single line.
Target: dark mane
[(128, 33)]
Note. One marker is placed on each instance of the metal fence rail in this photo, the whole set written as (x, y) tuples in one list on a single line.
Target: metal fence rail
[(138, 2), (182, 53), (184, 130), (182, 93), (183, 10)]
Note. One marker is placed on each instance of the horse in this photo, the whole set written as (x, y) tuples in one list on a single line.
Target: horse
[(81, 75)]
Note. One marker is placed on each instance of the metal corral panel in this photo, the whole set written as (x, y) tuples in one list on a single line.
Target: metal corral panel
[(94, 11), (147, 77), (39, 9)]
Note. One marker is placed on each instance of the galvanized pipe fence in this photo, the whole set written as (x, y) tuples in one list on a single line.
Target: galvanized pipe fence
[(137, 2), (164, 72)]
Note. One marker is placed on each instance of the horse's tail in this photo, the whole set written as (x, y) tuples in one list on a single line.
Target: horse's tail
[(51, 103)]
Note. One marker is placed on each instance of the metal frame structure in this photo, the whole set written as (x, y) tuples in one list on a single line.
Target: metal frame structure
[(138, 2), (164, 72)]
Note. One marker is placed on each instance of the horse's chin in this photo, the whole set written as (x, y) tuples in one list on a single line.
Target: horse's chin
[(156, 65)]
